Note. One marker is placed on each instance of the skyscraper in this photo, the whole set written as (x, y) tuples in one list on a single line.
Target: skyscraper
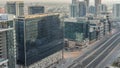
[(74, 8), (87, 1), (116, 11), (36, 9), (92, 9), (39, 40), (15, 7), (102, 8), (87, 7), (7, 40), (78, 8), (75, 1), (82, 9), (97, 3)]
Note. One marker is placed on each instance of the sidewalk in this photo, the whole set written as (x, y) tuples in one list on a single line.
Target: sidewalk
[(70, 57)]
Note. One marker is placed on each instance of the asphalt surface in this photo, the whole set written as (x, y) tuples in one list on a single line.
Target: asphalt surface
[(93, 57), (104, 53)]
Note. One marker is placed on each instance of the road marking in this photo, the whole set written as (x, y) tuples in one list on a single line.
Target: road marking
[(107, 56), (102, 52), (100, 46), (75, 64)]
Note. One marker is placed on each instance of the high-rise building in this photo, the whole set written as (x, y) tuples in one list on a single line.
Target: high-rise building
[(39, 40), (97, 3), (36, 9), (75, 1), (87, 7), (116, 11), (102, 8), (78, 8), (74, 8), (15, 7), (87, 1), (7, 41), (82, 10), (92, 10)]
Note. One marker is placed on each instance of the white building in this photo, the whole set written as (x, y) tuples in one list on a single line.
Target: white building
[(7, 41), (116, 12)]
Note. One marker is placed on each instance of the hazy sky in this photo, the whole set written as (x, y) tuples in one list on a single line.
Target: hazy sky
[(63, 1)]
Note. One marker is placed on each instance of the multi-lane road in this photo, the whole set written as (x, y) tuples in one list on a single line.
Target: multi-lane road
[(94, 57)]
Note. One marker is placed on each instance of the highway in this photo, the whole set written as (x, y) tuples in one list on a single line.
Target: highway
[(92, 58)]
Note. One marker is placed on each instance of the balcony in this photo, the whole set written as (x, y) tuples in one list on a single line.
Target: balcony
[(5, 29)]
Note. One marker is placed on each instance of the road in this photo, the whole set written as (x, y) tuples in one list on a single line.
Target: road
[(93, 57)]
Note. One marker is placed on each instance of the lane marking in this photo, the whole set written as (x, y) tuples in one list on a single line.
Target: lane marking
[(107, 55), (102, 52), (75, 64)]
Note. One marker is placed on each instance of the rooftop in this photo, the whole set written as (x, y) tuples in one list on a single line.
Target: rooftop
[(36, 6), (75, 19), (38, 15)]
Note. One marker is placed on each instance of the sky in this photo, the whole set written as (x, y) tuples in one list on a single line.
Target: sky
[(62, 1)]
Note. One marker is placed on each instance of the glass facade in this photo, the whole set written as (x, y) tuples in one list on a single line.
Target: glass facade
[(38, 38), (82, 9), (11, 49), (21, 9), (11, 8), (15, 7), (76, 31), (36, 9)]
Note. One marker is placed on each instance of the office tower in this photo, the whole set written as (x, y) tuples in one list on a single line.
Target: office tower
[(7, 41), (97, 3), (75, 1), (102, 8), (39, 40), (78, 8), (82, 9), (36, 9), (76, 30), (15, 7), (92, 10), (87, 1), (74, 8), (87, 7), (116, 11)]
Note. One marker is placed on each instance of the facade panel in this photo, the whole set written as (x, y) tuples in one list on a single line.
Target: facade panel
[(43, 36)]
